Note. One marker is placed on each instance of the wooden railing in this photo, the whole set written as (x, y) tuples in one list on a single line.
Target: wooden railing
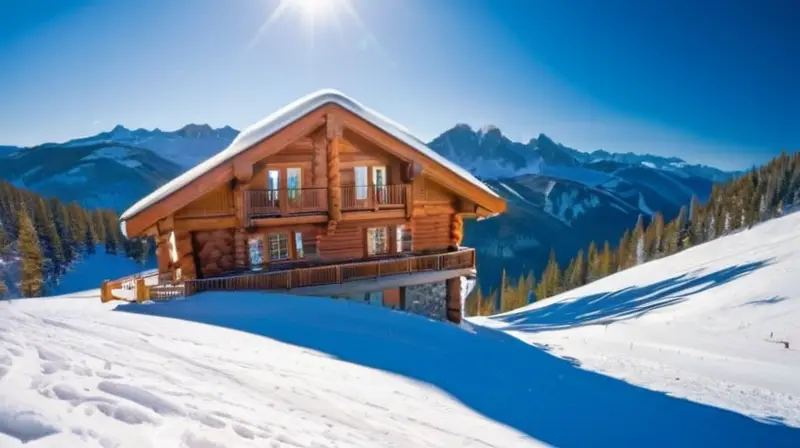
[(335, 274), (374, 197), (264, 203)]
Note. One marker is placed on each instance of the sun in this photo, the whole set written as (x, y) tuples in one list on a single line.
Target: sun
[(312, 14), (312, 8)]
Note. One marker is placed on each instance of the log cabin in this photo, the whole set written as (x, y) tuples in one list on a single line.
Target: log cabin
[(323, 197)]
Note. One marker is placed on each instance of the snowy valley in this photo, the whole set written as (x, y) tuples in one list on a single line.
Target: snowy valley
[(682, 351)]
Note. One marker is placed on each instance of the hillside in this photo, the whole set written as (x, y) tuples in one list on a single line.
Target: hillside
[(706, 324), (247, 369)]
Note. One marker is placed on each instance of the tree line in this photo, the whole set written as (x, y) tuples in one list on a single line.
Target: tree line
[(45, 235), (759, 195)]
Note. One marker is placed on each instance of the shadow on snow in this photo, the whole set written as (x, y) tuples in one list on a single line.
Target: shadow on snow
[(497, 375), (632, 302)]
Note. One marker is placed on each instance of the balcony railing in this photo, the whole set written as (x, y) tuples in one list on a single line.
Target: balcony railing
[(286, 202), (142, 288), (374, 197), (267, 203), (336, 273)]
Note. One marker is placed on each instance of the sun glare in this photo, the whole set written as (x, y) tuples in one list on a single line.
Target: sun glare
[(312, 8)]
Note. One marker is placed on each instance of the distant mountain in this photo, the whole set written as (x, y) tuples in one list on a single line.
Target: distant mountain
[(561, 198), (488, 154), (111, 169), (558, 197)]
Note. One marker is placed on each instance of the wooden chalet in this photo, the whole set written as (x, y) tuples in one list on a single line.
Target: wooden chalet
[(323, 197)]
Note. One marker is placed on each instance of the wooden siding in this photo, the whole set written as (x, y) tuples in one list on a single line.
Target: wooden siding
[(348, 242), (431, 232), (218, 202)]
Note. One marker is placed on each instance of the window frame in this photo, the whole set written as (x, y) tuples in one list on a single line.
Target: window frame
[(286, 238), (370, 249)]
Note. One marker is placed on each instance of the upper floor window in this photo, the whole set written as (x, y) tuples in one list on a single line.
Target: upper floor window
[(377, 241), (278, 246), (361, 182), (294, 182)]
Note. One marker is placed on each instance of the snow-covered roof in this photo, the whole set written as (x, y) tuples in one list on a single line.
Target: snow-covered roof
[(286, 116)]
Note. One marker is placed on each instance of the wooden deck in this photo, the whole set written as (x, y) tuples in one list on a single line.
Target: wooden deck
[(143, 288)]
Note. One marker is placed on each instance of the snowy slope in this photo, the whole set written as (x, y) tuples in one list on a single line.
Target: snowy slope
[(705, 324), (239, 370)]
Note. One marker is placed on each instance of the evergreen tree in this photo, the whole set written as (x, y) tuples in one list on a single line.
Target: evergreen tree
[(69, 246), (592, 263), (48, 236), (5, 242), (3, 288), (31, 260), (487, 305), (98, 220), (606, 265), (623, 251), (113, 234)]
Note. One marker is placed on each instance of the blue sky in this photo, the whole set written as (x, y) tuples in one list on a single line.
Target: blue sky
[(714, 82)]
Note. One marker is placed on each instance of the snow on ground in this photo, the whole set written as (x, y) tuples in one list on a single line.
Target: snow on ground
[(705, 324), (266, 370)]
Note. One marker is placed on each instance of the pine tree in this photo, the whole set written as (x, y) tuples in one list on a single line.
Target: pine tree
[(592, 263), (3, 288), (98, 219), (486, 307), (623, 251), (62, 222), (31, 261), (473, 301), (606, 265), (113, 235), (578, 277), (5, 242), (48, 236)]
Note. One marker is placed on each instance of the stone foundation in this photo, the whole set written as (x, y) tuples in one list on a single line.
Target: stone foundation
[(429, 299)]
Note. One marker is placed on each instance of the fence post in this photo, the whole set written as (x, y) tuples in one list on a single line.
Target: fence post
[(105, 294), (141, 290)]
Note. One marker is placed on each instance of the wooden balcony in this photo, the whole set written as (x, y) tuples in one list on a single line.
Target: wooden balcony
[(285, 202), (374, 197), (312, 201), (336, 274), (143, 288)]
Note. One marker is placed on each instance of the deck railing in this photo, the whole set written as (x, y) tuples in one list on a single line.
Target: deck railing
[(335, 274), (374, 197), (265, 203), (148, 286)]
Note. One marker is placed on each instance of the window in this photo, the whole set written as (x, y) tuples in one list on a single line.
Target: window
[(173, 248), (273, 185), (256, 248), (361, 182), (294, 183), (178, 275), (403, 240), (298, 244), (377, 241), (278, 246), (379, 179)]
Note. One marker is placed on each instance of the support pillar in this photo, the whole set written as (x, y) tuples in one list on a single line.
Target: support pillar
[(454, 305)]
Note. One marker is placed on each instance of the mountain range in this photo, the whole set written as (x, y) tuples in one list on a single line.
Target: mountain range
[(559, 197)]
